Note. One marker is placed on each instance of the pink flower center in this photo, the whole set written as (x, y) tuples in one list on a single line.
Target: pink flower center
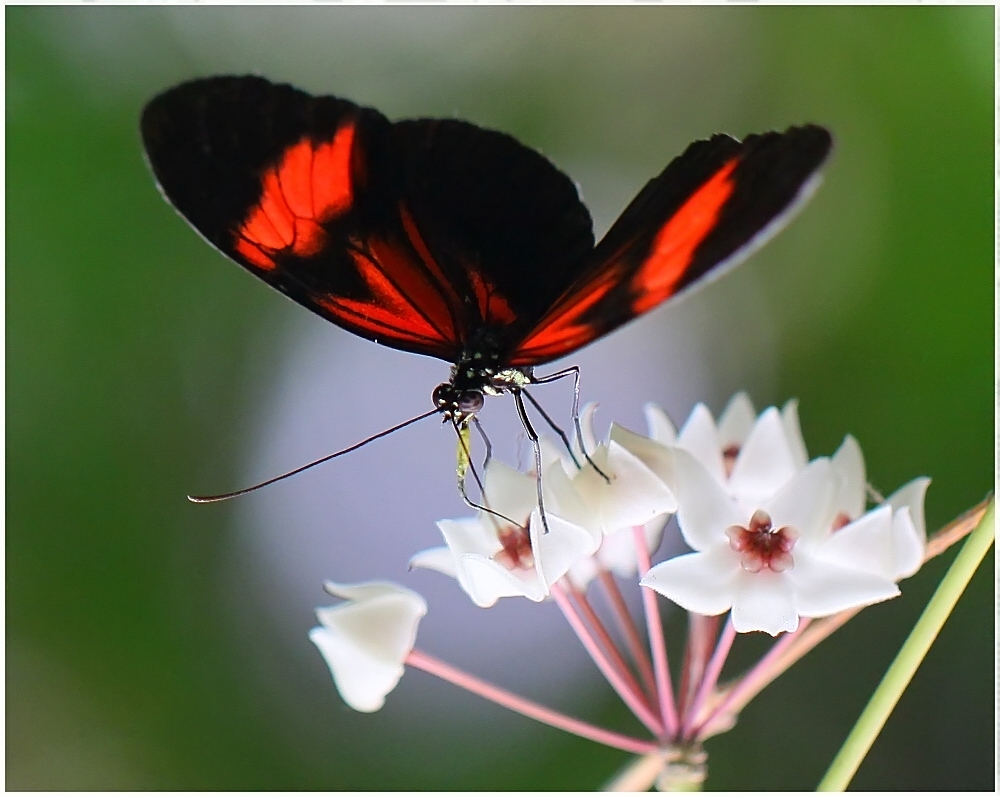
[(762, 547), (516, 552), (729, 455), (842, 519)]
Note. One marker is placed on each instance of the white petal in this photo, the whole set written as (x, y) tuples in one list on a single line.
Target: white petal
[(583, 572), (617, 552), (660, 427), (588, 484), (704, 509), (635, 495), (736, 420), (865, 545), (441, 559), (379, 616), (469, 535), (509, 491), (764, 601), (486, 581), (551, 452), (563, 500), (911, 495), (587, 427), (849, 470), (793, 432), (652, 454), (701, 438), (557, 551), (363, 682), (365, 590), (703, 583), (823, 588), (804, 503), (366, 640), (908, 545), (765, 463)]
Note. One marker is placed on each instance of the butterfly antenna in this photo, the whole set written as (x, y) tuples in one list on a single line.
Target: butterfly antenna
[(533, 436), (211, 499), (573, 370), (466, 464)]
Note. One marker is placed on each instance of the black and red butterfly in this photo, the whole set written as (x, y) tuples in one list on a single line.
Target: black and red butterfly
[(442, 238)]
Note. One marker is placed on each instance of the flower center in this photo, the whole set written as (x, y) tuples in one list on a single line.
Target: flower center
[(729, 455), (761, 546), (516, 552), (842, 519)]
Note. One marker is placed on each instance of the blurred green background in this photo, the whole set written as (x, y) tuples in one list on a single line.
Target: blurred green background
[(136, 359)]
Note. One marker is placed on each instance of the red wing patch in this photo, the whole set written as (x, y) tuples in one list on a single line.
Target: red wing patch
[(493, 308), (674, 245), (401, 291), (403, 306), (565, 328), (309, 186)]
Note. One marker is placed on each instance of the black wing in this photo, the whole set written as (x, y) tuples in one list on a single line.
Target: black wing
[(419, 235), (710, 208)]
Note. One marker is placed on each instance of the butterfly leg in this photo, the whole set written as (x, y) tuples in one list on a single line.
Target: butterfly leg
[(486, 442), (575, 371), (557, 429), (466, 464), (533, 436)]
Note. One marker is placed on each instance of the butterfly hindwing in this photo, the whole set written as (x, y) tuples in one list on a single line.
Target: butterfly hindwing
[(709, 208), (507, 228)]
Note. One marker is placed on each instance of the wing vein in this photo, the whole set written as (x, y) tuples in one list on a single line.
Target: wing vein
[(370, 257)]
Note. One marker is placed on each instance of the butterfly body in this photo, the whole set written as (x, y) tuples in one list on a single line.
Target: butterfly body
[(438, 237)]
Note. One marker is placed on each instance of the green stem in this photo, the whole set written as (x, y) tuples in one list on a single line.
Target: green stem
[(877, 711)]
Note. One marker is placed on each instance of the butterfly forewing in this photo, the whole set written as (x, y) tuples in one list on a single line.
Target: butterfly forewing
[(282, 183), (423, 235), (705, 210)]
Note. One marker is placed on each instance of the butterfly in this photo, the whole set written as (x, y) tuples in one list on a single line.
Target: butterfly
[(442, 238)]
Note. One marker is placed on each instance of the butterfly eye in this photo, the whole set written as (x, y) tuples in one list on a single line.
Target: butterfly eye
[(443, 395), (470, 402)]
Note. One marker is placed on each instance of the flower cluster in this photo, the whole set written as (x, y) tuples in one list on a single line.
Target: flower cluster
[(775, 539)]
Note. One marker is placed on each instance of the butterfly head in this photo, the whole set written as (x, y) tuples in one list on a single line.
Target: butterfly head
[(456, 403)]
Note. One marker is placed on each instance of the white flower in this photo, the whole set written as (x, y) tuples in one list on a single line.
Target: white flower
[(632, 495), (366, 639), (848, 467), (771, 564), (907, 538), (752, 459), (909, 534), (493, 558)]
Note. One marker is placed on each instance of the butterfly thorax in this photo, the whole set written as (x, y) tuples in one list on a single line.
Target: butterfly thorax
[(477, 373)]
